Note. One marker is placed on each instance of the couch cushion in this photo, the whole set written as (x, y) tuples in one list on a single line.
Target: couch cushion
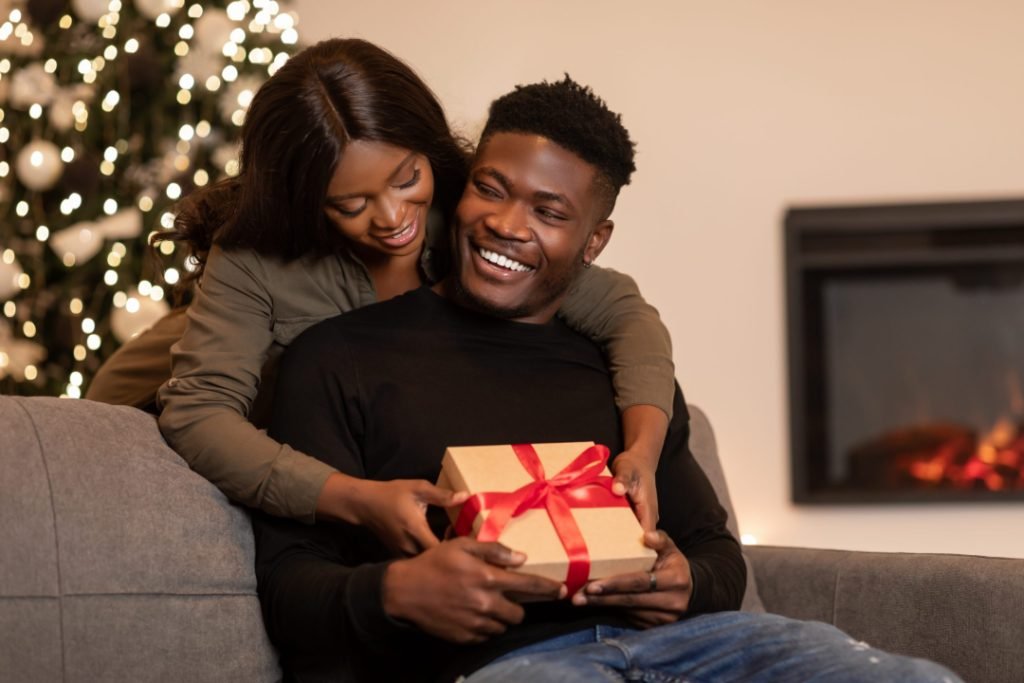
[(136, 568), (705, 451)]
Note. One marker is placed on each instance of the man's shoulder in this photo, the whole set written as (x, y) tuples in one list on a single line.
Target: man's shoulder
[(385, 317)]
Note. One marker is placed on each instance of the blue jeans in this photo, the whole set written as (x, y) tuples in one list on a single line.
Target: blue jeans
[(728, 646)]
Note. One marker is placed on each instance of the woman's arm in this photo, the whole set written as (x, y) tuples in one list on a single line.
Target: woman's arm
[(607, 307), (215, 371)]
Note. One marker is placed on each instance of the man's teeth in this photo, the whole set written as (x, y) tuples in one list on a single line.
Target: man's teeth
[(503, 261)]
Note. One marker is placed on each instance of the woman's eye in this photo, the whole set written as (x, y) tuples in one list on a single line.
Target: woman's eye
[(411, 181), (350, 210)]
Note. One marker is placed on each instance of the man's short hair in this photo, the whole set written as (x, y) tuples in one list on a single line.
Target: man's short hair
[(573, 117)]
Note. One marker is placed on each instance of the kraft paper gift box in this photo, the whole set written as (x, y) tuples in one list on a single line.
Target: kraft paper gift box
[(609, 528)]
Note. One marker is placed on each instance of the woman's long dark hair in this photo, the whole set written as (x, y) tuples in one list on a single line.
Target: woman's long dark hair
[(296, 129)]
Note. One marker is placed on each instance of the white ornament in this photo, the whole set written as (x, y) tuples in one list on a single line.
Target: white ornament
[(238, 95), (81, 241), (137, 316), (151, 9), (38, 165), (61, 111), (123, 225), (90, 10), (61, 115), (17, 354), (32, 85), (9, 275), (200, 65), (213, 30), (224, 154)]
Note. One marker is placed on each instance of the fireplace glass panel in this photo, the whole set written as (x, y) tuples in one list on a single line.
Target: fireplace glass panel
[(906, 352), (919, 369)]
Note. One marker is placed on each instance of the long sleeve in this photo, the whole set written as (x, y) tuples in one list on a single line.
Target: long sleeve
[(216, 370), (320, 585), (606, 306), (691, 514)]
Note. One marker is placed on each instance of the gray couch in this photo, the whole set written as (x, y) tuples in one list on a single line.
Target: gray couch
[(120, 564)]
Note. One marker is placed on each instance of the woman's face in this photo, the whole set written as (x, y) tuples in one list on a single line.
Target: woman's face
[(379, 197)]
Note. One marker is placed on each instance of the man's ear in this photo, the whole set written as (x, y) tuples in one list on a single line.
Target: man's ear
[(597, 240)]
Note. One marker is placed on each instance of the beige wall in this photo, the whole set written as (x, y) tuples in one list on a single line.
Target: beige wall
[(741, 109)]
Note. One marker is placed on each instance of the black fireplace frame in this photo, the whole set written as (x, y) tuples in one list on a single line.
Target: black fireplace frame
[(822, 239)]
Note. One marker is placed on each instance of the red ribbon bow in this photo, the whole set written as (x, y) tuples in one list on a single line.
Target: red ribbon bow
[(579, 485)]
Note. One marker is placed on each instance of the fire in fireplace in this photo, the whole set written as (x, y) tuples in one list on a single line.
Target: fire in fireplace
[(906, 352)]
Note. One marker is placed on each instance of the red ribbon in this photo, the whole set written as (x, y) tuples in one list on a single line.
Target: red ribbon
[(579, 485)]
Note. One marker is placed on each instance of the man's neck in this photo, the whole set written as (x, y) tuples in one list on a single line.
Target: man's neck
[(449, 289)]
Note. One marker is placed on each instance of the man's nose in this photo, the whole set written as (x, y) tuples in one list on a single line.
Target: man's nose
[(510, 222)]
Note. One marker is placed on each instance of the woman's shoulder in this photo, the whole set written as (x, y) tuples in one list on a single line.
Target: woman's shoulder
[(314, 285), (270, 271)]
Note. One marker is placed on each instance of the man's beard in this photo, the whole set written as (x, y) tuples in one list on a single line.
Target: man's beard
[(548, 292)]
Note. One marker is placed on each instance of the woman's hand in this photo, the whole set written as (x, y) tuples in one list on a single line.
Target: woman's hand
[(644, 428), (395, 511), (634, 477)]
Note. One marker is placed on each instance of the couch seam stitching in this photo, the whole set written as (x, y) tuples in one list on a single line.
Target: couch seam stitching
[(56, 538)]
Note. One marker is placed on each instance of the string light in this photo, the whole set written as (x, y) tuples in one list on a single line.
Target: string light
[(72, 106)]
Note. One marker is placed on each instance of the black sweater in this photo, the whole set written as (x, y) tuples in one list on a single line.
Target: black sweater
[(380, 393)]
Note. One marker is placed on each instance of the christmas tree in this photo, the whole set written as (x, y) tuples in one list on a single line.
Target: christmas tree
[(110, 112)]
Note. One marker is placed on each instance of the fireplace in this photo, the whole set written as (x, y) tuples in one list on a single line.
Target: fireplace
[(906, 352)]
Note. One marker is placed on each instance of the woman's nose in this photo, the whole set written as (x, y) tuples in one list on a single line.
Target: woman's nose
[(390, 212)]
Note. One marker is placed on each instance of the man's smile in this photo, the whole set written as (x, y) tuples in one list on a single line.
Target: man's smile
[(502, 261)]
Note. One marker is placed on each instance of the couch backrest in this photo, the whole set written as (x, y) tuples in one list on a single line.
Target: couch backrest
[(705, 451), (117, 562)]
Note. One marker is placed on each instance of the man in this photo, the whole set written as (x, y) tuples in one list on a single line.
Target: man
[(480, 359)]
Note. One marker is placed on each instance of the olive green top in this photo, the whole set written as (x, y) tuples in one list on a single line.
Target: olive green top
[(250, 307)]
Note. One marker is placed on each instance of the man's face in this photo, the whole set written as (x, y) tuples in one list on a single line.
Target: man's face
[(529, 217)]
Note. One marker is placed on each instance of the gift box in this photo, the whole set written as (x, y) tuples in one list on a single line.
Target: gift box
[(552, 502)]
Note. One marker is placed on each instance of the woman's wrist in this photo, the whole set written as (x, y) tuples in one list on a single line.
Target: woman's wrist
[(644, 428), (339, 499)]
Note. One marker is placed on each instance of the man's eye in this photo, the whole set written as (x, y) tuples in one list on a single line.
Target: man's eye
[(550, 215), (411, 181), (486, 190)]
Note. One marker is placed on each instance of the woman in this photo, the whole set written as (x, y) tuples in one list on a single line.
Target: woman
[(349, 175)]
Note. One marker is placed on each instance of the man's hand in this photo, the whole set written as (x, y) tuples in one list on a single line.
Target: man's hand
[(462, 590), (666, 604), (634, 477), (395, 511)]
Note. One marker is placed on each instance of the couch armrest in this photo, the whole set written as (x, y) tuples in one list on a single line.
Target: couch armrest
[(962, 611)]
